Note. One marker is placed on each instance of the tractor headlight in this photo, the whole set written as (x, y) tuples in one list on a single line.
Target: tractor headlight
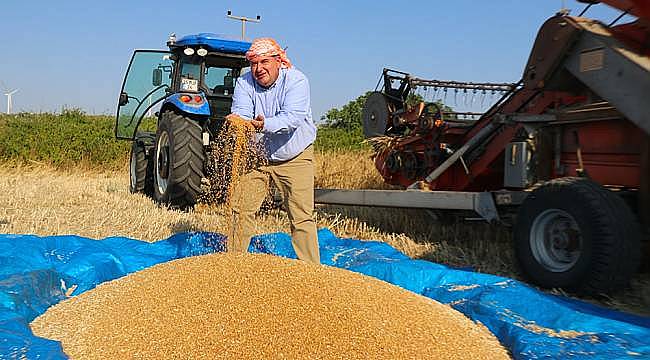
[(188, 51), (202, 52)]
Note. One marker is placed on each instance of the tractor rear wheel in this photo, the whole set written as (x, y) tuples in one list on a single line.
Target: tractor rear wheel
[(179, 160), (574, 234), (140, 170)]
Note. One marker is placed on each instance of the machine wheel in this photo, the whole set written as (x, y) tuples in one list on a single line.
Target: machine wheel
[(375, 114), (179, 160), (140, 170), (572, 233)]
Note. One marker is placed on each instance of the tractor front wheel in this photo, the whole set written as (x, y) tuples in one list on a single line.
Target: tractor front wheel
[(179, 160), (574, 234)]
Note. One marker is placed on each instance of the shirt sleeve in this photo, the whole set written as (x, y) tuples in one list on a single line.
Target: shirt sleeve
[(242, 99), (293, 110)]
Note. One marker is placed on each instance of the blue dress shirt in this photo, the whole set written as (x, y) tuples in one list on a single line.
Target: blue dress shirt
[(285, 105)]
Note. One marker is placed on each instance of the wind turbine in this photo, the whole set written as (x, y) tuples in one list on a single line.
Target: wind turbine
[(9, 102)]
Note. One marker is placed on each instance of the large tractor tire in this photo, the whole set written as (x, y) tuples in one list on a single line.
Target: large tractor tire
[(179, 160), (140, 170), (572, 233)]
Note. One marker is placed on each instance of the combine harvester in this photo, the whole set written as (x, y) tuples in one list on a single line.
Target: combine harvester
[(564, 153)]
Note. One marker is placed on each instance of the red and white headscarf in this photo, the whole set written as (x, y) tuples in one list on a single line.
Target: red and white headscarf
[(267, 47)]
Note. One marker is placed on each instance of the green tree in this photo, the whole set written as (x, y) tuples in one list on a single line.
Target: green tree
[(348, 116), (413, 99)]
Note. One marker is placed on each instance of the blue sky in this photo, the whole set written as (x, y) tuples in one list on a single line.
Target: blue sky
[(74, 53)]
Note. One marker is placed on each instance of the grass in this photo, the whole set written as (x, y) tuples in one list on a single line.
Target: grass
[(337, 139), (63, 140), (74, 139)]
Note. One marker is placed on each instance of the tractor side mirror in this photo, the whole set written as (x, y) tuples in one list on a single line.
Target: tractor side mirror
[(124, 99), (156, 78)]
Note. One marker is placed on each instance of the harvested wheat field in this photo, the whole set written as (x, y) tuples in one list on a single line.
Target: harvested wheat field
[(246, 306), (42, 200)]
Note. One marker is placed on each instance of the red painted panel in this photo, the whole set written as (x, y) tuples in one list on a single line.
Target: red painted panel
[(638, 8)]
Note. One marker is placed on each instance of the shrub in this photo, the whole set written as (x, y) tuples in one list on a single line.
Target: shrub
[(332, 139), (71, 138)]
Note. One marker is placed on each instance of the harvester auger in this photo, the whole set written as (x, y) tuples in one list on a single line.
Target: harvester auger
[(565, 151)]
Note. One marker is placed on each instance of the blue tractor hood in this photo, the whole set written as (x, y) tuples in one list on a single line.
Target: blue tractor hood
[(213, 42)]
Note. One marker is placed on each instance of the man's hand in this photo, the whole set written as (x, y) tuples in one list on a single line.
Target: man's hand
[(229, 116), (258, 122)]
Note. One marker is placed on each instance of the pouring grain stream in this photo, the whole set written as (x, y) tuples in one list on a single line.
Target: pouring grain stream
[(236, 153), (243, 152)]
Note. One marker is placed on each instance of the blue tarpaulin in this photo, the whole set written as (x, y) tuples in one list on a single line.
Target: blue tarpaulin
[(37, 272)]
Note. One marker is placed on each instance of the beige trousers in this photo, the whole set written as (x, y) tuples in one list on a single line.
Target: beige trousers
[(295, 180)]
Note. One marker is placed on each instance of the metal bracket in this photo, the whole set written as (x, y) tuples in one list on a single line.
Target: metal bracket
[(484, 205)]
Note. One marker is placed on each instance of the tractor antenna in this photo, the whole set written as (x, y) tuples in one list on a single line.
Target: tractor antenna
[(243, 20)]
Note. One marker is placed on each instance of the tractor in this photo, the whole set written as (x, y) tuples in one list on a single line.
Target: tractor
[(190, 87)]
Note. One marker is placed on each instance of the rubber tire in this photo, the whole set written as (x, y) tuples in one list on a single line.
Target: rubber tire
[(140, 180), (610, 252), (186, 160)]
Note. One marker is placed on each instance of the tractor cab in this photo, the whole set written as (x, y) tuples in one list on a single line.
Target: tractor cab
[(172, 106), (196, 76), (209, 65)]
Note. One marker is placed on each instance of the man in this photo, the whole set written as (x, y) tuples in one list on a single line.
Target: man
[(275, 96)]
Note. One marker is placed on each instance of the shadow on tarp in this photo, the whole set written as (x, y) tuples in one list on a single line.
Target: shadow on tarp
[(37, 272)]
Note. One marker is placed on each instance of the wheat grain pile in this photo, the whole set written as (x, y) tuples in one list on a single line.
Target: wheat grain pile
[(245, 306)]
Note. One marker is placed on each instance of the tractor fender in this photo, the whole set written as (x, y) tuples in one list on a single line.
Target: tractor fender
[(174, 101)]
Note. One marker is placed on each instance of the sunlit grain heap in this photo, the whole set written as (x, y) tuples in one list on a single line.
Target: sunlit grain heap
[(244, 306)]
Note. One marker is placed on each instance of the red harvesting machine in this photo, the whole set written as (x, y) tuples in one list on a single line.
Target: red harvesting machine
[(565, 151)]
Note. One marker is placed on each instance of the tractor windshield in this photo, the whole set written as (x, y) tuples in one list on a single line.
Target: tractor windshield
[(190, 71), (219, 79), (145, 84)]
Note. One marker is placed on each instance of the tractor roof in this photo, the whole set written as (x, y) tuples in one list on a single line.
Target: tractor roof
[(213, 42)]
